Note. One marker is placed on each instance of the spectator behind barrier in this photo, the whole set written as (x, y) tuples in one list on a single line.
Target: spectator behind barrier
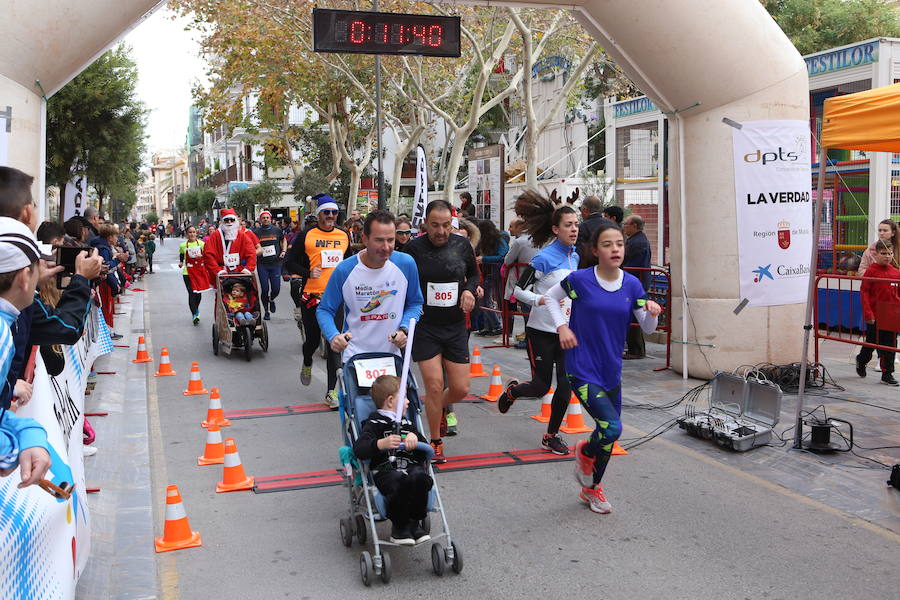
[(38, 324), (23, 442)]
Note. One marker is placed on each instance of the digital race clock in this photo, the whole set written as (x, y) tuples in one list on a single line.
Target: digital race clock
[(385, 33)]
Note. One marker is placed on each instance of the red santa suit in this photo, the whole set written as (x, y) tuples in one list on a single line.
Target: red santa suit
[(229, 249)]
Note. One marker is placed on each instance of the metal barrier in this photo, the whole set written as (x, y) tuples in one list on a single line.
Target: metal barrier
[(838, 306), (660, 291)]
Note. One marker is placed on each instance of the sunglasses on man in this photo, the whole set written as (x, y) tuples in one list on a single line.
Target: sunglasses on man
[(229, 220), (404, 231)]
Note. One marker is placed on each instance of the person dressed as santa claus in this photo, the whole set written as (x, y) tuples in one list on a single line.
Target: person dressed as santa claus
[(230, 249)]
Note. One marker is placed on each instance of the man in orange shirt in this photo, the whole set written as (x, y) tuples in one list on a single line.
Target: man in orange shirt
[(313, 256)]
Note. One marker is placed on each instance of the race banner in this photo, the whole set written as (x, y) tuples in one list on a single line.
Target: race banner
[(76, 199), (772, 184), (421, 195), (46, 541)]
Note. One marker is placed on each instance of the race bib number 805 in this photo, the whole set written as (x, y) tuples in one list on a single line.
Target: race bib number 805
[(367, 371), (442, 294)]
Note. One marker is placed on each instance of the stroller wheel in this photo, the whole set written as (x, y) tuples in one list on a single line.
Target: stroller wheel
[(366, 570), (346, 531), (437, 559), (361, 531), (385, 567), (457, 564)]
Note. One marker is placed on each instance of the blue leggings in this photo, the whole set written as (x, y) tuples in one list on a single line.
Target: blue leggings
[(605, 407), (269, 278)]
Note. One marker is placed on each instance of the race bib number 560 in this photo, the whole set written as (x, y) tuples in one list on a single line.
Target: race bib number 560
[(442, 294), (331, 258)]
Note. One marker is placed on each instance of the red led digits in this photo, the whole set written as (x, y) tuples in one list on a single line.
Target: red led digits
[(384, 35), (357, 32), (419, 33), (435, 36)]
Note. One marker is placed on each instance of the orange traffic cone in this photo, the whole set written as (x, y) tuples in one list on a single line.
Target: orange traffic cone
[(214, 413), (476, 369), (618, 450), (165, 367), (142, 355), (496, 386), (177, 532), (195, 385), (214, 454), (574, 418), (546, 406), (233, 478)]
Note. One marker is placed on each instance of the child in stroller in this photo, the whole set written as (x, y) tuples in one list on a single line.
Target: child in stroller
[(240, 304), (404, 481)]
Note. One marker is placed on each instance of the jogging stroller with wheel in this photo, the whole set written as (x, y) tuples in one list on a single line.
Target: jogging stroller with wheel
[(367, 505), (231, 332)]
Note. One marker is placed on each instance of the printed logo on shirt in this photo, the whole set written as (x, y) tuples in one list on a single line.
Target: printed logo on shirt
[(375, 301), (328, 243), (375, 317)]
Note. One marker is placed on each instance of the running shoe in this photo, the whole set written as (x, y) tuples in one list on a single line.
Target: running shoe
[(418, 533), (89, 450), (331, 400), (520, 337), (452, 423), (445, 427), (402, 536), (115, 336), (506, 400), (888, 379), (272, 306), (595, 499), (266, 317), (306, 375), (584, 465), (196, 319), (860, 367), (439, 457), (554, 444), (297, 314)]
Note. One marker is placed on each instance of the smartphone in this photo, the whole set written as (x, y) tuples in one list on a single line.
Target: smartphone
[(64, 256)]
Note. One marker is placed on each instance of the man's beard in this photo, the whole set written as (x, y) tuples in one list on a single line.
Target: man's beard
[(230, 231)]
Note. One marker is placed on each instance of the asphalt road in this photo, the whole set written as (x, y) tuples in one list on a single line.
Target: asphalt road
[(684, 525)]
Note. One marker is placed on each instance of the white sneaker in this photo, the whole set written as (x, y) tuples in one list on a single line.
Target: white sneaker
[(595, 499), (89, 450)]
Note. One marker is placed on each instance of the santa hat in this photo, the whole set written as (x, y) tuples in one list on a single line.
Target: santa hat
[(265, 212), (325, 202), (226, 212)]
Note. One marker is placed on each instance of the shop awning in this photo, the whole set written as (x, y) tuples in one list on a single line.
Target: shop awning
[(867, 120)]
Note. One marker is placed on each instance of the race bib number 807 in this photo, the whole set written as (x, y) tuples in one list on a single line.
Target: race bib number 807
[(367, 371)]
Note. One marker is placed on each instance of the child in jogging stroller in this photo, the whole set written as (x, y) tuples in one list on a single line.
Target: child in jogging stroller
[(385, 476)]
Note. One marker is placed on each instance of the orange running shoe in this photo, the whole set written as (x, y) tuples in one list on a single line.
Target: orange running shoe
[(584, 465), (438, 458), (595, 499)]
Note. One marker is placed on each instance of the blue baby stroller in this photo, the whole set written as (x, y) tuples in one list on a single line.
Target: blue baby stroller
[(367, 505)]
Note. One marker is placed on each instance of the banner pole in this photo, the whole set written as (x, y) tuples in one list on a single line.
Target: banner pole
[(810, 298)]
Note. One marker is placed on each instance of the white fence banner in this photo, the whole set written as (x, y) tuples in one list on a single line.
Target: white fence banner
[(45, 542), (772, 184)]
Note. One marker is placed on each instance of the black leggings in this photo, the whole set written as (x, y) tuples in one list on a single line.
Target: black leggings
[(406, 494), (296, 290), (882, 337), (314, 338), (544, 352), (193, 297)]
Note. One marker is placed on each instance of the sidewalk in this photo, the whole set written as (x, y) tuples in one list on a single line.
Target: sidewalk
[(841, 480), (122, 564)]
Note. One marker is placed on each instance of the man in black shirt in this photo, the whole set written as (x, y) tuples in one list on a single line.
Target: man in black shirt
[(269, 254), (448, 275), (591, 219)]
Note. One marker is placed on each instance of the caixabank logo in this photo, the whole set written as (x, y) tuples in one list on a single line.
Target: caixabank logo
[(763, 272)]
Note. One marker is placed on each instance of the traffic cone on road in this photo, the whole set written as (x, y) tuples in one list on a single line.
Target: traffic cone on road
[(142, 355), (195, 384), (618, 450), (574, 418), (165, 367), (546, 407), (496, 386), (177, 532), (214, 454), (476, 369), (214, 413), (233, 477)]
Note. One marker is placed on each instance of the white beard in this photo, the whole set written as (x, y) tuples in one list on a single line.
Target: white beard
[(229, 231)]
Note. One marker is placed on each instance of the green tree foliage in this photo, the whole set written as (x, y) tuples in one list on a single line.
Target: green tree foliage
[(242, 201), (95, 126), (196, 201), (151, 217), (816, 25)]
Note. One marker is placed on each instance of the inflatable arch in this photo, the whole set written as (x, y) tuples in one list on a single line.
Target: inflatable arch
[(698, 60)]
